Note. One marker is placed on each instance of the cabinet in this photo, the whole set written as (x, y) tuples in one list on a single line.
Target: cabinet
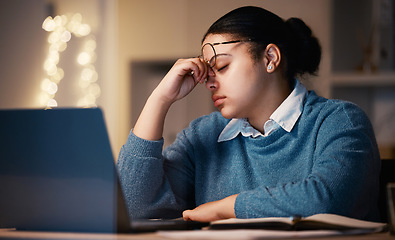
[(363, 63)]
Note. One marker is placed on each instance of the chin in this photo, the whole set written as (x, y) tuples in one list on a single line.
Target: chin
[(227, 114)]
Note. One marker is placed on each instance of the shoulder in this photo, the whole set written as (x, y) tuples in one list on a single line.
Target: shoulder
[(329, 117), (335, 108)]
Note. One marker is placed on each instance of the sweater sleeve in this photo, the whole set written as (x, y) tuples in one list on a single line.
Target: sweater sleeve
[(343, 179), (150, 189)]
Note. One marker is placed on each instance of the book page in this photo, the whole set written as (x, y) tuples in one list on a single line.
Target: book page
[(344, 221), (274, 223), (253, 220), (314, 222)]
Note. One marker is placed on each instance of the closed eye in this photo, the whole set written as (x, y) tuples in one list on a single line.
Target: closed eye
[(222, 68)]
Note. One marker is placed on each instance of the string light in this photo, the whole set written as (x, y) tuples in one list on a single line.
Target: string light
[(61, 29)]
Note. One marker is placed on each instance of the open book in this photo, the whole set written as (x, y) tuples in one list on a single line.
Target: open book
[(314, 222)]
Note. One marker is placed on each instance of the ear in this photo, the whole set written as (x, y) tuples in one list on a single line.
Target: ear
[(272, 57)]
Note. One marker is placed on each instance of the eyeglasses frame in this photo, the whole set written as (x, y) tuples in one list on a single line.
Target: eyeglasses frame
[(208, 62)]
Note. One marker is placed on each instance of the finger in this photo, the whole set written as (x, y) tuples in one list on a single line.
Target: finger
[(194, 68), (204, 71), (198, 71), (185, 67), (186, 215)]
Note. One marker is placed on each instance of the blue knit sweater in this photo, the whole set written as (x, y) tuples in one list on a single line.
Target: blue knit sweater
[(328, 163)]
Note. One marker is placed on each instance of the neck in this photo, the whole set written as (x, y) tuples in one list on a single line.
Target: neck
[(275, 94)]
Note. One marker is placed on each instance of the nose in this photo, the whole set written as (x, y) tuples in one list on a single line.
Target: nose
[(211, 83), (211, 72)]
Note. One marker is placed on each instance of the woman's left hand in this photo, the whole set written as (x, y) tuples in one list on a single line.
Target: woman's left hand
[(212, 211)]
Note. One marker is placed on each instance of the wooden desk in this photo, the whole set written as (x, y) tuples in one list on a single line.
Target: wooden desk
[(153, 236)]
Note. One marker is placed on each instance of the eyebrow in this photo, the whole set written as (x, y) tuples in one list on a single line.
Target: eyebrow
[(219, 55)]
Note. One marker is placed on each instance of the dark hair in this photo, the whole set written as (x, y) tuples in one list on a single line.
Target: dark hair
[(294, 38)]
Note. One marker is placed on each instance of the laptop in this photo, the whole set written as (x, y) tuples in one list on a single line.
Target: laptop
[(57, 173)]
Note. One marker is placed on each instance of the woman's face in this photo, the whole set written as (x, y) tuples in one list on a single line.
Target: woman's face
[(237, 82)]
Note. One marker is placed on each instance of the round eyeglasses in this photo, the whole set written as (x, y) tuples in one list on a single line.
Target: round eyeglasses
[(209, 50)]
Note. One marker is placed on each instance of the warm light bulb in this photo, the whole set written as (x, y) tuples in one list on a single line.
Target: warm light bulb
[(49, 24), (66, 36), (84, 58), (52, 103)]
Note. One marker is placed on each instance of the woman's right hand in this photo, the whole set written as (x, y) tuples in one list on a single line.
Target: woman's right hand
[(181, 79)]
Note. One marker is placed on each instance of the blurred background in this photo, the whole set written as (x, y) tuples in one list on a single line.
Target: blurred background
[(112, 53)]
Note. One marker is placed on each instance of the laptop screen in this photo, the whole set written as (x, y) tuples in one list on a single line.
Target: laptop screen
[(57, 171)]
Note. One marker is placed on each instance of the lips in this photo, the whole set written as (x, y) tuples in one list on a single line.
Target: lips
[(218, 100)]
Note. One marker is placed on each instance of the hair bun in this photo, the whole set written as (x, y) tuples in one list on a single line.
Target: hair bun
[(305, 47)]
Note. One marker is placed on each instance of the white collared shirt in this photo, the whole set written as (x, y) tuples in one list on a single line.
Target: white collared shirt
[(285, 116)]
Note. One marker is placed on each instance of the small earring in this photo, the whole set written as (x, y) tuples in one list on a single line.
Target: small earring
[(270, 67)]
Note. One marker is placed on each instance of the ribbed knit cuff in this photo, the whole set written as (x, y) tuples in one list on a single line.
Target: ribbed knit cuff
[(240, 205), (143, 147)]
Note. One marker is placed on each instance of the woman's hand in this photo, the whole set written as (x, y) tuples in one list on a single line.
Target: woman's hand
[(181, 79), (212, 211)]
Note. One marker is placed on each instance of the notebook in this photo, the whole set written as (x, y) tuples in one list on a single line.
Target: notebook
[(57, 173)]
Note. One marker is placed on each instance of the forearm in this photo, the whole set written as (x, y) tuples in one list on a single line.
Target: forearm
[(153, 186), (343, 185), (150, 123), (177, 83), (138, 159), (141, 164), (144, 182), (304, 198)]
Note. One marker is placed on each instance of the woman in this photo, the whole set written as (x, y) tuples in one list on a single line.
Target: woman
[(274, 149)]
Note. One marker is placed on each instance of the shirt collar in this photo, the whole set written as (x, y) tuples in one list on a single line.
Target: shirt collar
[(285, 116)]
